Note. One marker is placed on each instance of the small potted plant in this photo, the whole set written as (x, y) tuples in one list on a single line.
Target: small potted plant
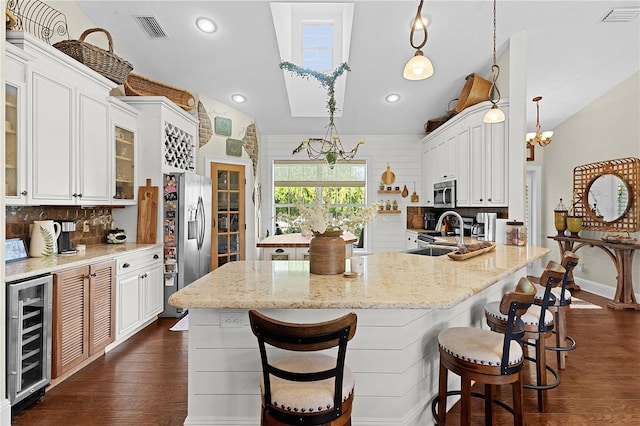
[(394, 205)]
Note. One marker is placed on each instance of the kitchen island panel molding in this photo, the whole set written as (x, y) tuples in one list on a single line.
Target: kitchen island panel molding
[(393, 355), (402, 301)]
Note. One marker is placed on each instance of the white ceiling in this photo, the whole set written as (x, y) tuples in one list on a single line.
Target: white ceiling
[(573, 57)]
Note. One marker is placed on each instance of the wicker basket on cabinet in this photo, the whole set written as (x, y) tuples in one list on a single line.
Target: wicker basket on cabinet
[(137, 85)]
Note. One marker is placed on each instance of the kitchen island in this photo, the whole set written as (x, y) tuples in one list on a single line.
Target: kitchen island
[(402, 301)]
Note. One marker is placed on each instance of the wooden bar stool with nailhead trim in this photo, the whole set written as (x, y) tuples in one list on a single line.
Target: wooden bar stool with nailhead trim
[(559, 308), (538, 321), (305, 388), (485, 356)]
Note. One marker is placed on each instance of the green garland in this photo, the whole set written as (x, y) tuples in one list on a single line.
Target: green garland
[(327, 81)]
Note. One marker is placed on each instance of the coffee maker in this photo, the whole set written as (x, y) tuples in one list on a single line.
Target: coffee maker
[(64, 239)]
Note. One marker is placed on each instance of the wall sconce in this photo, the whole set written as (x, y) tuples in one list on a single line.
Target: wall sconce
[(419, 67), (494, 115), (544, 138)]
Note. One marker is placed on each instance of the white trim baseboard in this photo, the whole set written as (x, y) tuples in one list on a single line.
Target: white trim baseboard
[(598, 288), (5, 412)]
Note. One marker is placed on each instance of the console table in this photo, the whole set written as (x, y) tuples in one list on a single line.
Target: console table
[(622, 257)]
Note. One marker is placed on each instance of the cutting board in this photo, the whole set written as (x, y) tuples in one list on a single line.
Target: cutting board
[(147, 214)]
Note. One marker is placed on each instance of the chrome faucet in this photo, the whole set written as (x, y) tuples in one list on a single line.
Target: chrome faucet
[(459, 238)]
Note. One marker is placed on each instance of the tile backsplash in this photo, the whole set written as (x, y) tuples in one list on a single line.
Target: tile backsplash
[(98, 220)]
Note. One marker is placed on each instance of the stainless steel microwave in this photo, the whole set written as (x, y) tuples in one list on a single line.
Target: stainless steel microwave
[(444, 194)]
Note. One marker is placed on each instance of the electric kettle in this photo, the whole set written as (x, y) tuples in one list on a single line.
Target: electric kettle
[(44, 238)]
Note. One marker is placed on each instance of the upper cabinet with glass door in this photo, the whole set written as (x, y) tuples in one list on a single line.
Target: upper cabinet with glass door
[(15, 190), (123, 122)]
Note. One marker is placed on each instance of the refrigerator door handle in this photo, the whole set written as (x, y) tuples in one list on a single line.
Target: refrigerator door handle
[(201, 222)]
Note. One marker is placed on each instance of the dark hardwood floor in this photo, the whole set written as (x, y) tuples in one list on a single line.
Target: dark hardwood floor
[(144, 380)]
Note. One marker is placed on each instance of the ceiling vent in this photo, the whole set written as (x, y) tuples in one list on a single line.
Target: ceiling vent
[(151, 27), (621, 14)]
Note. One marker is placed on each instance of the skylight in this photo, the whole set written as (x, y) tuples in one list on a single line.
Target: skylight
[(317, 47), (316, 36)]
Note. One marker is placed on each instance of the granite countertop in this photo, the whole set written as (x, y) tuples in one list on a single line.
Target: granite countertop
[(389, 281), (43, 265), (297, 240)]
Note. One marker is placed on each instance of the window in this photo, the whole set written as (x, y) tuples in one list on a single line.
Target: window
[(306, 181), (317, 46)]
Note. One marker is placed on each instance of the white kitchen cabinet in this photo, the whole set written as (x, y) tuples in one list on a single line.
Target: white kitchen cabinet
[(488, 167), (462, 179), (166, 136), (139, 291), (68, 115), (428, 172), (15, 192), (447, 156), (480, 158), (123, 135)]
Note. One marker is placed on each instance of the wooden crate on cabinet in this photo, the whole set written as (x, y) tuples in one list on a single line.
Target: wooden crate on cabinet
[(83, 315)]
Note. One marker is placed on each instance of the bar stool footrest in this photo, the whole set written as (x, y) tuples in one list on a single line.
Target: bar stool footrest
[(571, 347), (434, 404), (544, 387)]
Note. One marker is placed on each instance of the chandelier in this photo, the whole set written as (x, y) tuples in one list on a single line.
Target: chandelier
[(536, 137), (494, 115), (419, 67), (330, 147)]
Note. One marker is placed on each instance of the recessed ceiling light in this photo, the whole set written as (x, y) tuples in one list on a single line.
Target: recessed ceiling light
[(238, 98), (206, 25), (394, 97)]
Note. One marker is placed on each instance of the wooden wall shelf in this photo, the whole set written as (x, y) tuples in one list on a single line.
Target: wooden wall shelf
[(384, 191), (397, 211)]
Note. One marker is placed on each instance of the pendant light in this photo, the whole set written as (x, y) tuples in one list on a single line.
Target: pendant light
[(494, 115), (419, 67)]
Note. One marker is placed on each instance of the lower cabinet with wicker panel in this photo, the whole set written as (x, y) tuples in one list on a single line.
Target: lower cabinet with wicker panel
[(83, 315)]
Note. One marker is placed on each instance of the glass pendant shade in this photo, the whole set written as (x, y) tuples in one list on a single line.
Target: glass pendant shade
[(418, 68), (494, 115)]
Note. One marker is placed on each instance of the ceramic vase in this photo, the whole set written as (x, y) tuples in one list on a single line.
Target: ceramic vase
[(326, 253), (44, 238)]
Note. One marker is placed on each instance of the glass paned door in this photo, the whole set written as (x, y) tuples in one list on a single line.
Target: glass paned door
[(228, 226), (124, 164), (11, 141)]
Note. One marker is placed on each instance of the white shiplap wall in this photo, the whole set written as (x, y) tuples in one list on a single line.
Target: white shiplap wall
[(402, 152)]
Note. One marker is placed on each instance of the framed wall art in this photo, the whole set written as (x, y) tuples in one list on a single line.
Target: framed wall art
[(234, 147), (222, 126)]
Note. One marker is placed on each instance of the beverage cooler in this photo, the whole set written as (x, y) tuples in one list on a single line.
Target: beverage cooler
[(28, 340)]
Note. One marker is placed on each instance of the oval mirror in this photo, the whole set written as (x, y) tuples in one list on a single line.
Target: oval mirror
[(608, 197)]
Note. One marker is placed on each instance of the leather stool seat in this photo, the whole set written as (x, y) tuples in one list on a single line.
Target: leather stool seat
[(557, 292)]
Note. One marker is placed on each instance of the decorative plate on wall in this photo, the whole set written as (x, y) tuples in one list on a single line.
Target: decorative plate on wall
[(222, 126)]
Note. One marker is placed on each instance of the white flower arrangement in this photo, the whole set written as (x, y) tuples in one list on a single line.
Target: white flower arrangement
[(317, 218)]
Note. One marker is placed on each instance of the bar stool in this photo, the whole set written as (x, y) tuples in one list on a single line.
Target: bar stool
[(538, 322), (305, 389), (559, 308), (487, 357)]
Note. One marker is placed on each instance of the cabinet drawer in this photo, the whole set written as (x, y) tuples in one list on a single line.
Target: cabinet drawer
[(131, 262)]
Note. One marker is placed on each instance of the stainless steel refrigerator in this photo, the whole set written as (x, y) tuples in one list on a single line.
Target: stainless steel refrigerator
[(187, 233)]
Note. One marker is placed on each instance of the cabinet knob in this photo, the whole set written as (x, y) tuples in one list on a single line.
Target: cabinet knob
[(489, 199), (74, 195), (125, 265), (143, 276), (279, 251), (155, 256), (79, 195), (24, 193)]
